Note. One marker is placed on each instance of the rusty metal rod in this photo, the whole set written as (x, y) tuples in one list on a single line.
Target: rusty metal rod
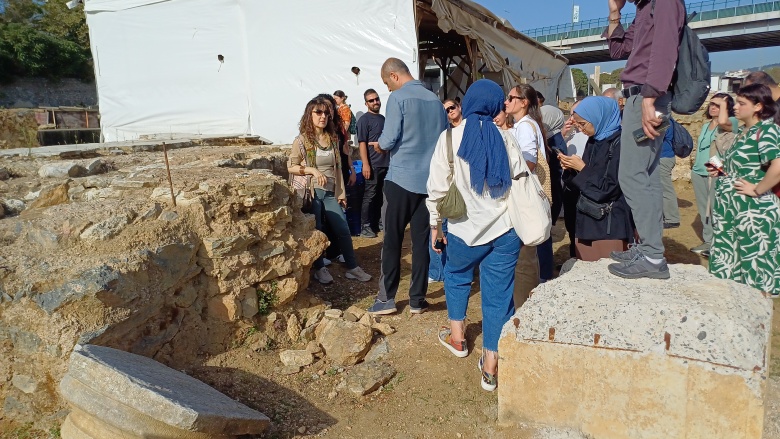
[(168, 168)]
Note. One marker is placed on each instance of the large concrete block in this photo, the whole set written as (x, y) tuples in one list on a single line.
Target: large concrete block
[(116, 394), (616, 358)]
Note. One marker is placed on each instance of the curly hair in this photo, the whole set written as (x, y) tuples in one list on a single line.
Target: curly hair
[(761, 94), (729, 104), (306, 125)]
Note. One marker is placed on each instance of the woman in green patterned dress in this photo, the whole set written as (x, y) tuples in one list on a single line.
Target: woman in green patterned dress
[(746, 214)]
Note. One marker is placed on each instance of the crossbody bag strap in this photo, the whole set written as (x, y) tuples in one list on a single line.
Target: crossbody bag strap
[(536, 140), (449, 151)]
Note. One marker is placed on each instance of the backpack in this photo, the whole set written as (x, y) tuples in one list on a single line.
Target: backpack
[(691, 79), (682, 142), (352, 123)]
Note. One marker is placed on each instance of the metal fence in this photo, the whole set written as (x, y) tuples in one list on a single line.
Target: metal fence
[(706, 10)]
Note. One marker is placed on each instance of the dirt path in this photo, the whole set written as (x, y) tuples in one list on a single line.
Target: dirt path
[(433, 394)]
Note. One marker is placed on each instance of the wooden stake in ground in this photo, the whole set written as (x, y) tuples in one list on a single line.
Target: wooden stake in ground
[(168, 168)]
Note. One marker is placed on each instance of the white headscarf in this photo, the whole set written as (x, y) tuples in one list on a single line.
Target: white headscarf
[(553, 119)]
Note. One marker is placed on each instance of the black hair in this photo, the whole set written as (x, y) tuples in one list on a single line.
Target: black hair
[(729, 104), (540, 97), (368, 92), (761, 94)]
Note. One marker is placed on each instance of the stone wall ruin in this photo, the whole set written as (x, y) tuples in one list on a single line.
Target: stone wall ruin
[(95, 252)]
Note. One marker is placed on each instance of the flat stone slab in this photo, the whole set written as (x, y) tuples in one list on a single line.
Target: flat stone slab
[(685, 357), (115, 391)]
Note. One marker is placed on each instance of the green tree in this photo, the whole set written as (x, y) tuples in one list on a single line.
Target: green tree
[(774, 72), (580, 82), (43, 38)]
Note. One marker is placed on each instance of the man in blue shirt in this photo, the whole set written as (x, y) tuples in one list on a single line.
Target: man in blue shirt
[(414, 119), (666, 165)]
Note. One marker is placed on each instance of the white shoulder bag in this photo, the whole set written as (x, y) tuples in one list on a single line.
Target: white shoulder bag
[(528, 207)]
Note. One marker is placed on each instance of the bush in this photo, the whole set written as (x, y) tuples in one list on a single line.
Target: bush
[(26, 51)]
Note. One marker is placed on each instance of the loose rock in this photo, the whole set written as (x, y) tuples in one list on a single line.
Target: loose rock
[(356, 311), (4, 174), (97, 166), (383, 328), (52, 197), (333, 313), (293, 328), (367, 377), (379, 351), (14, 207), (296, 358), (345, 343), (62, 170), (106, 229), (25, 383)]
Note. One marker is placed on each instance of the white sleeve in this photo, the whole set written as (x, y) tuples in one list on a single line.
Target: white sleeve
[(525, 133), (439, 179)]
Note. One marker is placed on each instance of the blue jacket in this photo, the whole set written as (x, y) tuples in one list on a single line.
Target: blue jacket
[(414, 119), (668, 150)]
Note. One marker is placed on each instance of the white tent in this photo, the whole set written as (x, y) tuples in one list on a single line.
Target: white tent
[(233, 67)]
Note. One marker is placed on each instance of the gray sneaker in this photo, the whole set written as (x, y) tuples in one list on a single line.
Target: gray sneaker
[(382, 308), (640, 267), (626, 256), (367, 232), (701, 249)]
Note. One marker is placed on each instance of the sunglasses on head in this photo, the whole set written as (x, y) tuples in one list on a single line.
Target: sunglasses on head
[(450, 108), (371, 101), (321, 112)]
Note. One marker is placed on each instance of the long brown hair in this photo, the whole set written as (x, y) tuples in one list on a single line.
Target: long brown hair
[(306, 125), (529, 93)]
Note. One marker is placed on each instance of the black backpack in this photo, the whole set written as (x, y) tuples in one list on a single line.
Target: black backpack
[(691, 80), (682, 142)]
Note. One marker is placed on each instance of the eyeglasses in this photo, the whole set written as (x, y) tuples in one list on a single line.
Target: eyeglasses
[(580, 125), (371, 101), (321, 112), (511, 98), (450, 108)]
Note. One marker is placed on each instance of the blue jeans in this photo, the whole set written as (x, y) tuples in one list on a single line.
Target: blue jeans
[(496, 261), (328, 213), (438, 261)]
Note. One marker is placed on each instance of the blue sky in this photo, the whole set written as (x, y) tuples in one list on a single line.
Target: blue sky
[(528, 14)]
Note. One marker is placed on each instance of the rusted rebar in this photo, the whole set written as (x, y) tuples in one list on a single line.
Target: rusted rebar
[(168, 169)]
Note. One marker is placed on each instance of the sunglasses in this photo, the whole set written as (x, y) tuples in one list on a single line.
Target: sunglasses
[(371, 101), (450, 108), (321, 112), (511, 98)]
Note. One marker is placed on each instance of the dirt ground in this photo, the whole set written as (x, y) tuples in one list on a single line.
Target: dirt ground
[(434, 394)]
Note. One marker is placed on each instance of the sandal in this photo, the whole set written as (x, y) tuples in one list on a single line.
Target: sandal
[(458, 349)]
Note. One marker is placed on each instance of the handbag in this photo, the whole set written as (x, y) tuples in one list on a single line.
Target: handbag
[(765, 166), (452, 205), (593, 209), (527, 204), (302, 184), (542, 169)]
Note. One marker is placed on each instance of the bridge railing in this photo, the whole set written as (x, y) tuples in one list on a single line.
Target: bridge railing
[(706, 10)]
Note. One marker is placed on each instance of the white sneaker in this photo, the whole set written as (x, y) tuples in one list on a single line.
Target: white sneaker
[(323, 276), (359, 274), (326, 261), (340, 258)]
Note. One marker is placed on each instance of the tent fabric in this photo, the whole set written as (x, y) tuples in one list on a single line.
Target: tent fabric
[(517, 60), (158, 73)]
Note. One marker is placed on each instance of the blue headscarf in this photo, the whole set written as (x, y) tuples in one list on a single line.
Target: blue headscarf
[(603, 113), (482, 146)]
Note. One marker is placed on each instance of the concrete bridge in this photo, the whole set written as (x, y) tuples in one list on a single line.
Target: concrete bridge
[(720, 24)]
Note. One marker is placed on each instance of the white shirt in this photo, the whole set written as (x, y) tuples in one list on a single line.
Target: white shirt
[(529, 137), (486, 218)]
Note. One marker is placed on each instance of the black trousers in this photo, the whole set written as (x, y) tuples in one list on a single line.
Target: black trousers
[(371, 210), (570, 198), (403, 208)]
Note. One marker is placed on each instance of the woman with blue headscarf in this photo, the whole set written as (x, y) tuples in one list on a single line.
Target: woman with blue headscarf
[(603, 220), (483, 237)]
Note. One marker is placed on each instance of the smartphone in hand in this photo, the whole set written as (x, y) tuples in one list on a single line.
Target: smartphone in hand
[(557, 150), (640, 136), (439, 244)]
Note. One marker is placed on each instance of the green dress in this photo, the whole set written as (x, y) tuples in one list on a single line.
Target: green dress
[(746, 230)]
